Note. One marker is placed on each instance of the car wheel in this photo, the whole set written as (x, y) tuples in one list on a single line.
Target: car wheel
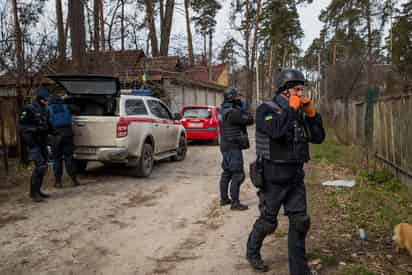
[(81, 166), (181, 150), (145, 166)]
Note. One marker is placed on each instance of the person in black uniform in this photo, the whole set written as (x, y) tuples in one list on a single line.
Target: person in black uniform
[(35, 128), (60, 119), (284, 128), (234, 139)]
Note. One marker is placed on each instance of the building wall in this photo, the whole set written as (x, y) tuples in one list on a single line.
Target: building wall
[(181, 95)]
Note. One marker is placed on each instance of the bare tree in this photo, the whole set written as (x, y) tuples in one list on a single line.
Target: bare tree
[(152, 27), (189, 33), (77, 34), (60, 32), (166, 27)]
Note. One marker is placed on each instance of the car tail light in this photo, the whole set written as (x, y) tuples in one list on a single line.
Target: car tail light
[(122, 128)]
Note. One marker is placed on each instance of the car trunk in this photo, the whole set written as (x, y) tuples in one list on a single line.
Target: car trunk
[(197, 118), (94, 103), (96, 131), (90, 95)]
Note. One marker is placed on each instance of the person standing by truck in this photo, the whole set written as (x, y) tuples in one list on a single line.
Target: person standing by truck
[(34, 126), (60, 120)]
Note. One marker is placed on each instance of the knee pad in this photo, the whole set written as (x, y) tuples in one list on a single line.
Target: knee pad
[(267, 227), (300, 223)]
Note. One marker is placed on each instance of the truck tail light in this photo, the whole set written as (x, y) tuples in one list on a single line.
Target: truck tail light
[(122, 128)]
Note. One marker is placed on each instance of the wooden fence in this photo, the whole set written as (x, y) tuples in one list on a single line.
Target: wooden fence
[(389, 124)]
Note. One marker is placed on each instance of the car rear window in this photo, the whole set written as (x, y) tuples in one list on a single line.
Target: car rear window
[(196, 113), (135, 107)]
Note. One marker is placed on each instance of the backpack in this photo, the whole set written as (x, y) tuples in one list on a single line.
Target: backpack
[(59, 116)]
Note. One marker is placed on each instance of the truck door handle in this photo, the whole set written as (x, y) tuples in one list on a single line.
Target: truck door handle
[(80, 124), (156, 125)]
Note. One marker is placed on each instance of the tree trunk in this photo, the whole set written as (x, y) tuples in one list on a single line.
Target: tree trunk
[(4, 146), (369, 27), (20, 72), (77, 33), (60, 33), (249, 85), (189, 34), (210, 55), (122, 26), (96, 25), (101, 20), (270, 80), (152, 27), (167, 28), (254, 48)]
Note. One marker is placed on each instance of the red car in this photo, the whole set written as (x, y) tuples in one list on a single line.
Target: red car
[(201, 123)]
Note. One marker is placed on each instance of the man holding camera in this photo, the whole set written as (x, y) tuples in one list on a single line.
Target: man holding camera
[(284, 128), (234, 139)]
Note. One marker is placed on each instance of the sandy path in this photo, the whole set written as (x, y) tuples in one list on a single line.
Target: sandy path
[(116, 224)]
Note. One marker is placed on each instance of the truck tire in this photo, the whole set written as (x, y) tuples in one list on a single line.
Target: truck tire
[(181, 150), (145, 164), (81, 166)]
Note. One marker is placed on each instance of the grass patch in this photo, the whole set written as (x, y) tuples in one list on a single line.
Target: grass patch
[(379, 202), (332, 152)]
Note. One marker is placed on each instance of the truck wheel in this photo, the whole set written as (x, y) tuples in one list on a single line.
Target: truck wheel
[(81, 166), (145, 165), (181, 150)]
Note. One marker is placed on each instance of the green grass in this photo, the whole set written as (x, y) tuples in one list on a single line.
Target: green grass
[(379, 202), (332, 152)]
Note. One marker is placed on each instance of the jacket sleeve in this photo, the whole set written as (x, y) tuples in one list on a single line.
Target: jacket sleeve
[(240, 118), (272, 123), (316, 128)]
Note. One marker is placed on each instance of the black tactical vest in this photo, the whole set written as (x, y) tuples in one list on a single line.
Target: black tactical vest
[(230, 133), (291, 148)]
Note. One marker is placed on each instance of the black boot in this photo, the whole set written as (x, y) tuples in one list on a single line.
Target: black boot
[(260, 230), (257, 264), (75, 182), (238, 206), (224, 202)]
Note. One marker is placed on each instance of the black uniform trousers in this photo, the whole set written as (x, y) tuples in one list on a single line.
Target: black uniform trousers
[(292, 196), (233, 174), (39, 155), (62, 149)]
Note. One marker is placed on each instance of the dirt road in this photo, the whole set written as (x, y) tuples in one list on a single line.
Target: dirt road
[(170, 223)]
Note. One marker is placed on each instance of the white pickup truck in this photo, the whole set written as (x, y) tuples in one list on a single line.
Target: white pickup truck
[(114, 126)]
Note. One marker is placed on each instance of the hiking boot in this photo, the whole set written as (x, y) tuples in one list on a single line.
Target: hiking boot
[(44, 195), (75, 182), (36, 197), (225, 202), (239, 207), (257, 264)]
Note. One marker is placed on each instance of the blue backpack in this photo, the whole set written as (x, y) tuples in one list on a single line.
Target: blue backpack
[(59, 116)]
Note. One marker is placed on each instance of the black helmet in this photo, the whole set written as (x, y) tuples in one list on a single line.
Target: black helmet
[(289, 78), (42, 93), (230, 94)]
